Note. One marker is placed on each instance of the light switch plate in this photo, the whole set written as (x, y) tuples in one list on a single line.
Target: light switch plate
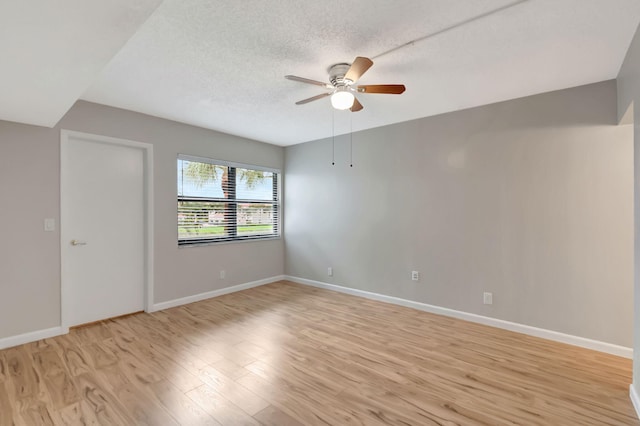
[(49, 224)]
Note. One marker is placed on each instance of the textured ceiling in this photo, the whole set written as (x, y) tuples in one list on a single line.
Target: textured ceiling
[(221, 64), (53, 50)]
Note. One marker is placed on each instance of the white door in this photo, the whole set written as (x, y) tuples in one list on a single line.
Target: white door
[(102, 229)]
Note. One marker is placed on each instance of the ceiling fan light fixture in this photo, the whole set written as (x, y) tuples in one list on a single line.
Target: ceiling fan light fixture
[(342, 99), (342, 78)]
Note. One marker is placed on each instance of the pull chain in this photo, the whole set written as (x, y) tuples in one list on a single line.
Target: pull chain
[(351, 142), (333, 137)]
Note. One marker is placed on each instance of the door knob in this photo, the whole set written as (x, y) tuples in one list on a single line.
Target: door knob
[(78, 243)]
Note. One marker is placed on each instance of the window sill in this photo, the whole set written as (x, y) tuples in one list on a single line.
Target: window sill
[(218, 243)]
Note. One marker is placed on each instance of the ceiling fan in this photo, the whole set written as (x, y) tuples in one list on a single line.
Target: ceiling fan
[(341, 88)]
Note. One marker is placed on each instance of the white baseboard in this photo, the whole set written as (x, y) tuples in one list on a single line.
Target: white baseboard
[(215, 293), (494, 322), (32, 336), (634, 399), (8, 342)]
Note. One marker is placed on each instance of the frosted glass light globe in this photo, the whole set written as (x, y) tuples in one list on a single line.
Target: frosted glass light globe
[(342, 100)]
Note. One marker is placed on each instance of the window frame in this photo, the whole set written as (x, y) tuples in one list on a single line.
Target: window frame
[(277, 203)]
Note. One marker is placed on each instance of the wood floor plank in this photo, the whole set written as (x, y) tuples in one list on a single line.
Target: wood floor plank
[(272, 416), (3, 368), (34, 413), (180, 406), (296, 372), (303, 404), (219, 407), (98, 356), (131, 363), (285, 354), (106, 407), (120, 331), (41, 345), (172, 344), (182, 374), (6, 407), (75, 414), (229, 368), (22, 377), (233, 391), (61, 389), (73, 356), (144, 408), (91, 333)]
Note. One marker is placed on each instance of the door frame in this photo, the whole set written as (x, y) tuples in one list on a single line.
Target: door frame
[(147, 151)]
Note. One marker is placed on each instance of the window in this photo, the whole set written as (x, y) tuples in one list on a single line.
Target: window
[(222, 201)]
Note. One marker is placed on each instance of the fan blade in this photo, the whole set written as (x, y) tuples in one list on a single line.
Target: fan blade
[(308, 81), (359, 66), (357, 106), (389, 89), (313, 98)]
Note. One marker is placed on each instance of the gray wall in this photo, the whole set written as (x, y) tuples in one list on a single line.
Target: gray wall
[(529, 199), (29, 257), (30, 190), (629, 95)]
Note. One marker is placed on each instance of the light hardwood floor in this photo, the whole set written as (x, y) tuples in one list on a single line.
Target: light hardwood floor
[(285, 354)]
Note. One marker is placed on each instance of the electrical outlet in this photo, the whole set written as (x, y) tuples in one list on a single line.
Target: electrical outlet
[(330, 271), (415, 275), (223, 274), (488, 298)]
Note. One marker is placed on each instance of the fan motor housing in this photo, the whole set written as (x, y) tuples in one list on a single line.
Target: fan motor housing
[(337, 73)]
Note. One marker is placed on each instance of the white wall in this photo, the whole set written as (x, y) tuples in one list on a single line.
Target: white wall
[(629, 95), (30, 192), (530, 199)]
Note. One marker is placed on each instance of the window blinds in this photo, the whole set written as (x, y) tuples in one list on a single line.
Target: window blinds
[(221, 201)]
